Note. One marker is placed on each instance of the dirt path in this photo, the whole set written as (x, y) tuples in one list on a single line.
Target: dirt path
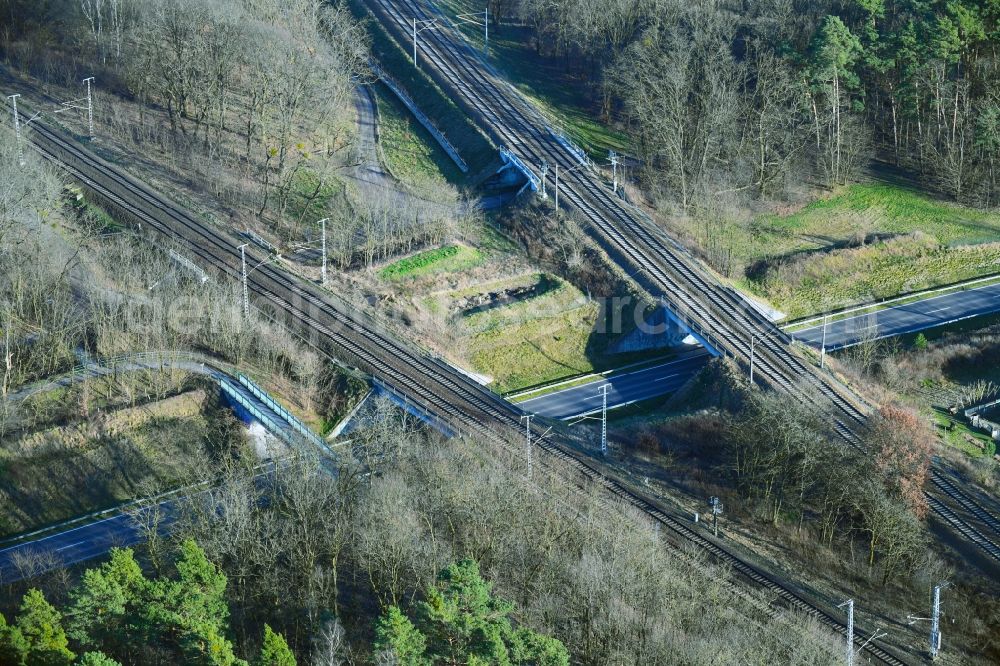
[(370, 175), (369, 169), (373, 177)]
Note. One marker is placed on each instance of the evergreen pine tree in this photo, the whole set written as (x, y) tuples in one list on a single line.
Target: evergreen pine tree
[(41, 625), (275, 650)]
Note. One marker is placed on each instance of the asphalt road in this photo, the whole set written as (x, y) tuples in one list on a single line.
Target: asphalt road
[(906, 318), (77, 545), (626, 388), (658, 380)]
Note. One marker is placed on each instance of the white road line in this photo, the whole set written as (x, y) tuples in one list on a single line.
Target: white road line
[(606, 380), (917, 300), (610, 406), (666, 377), (953, 294), (596, 411), (57, 534), (938, 310), (70, 545)]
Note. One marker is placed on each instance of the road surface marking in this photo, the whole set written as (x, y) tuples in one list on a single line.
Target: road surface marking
[(607, 380), (70, 545), (666, 377), (57, 534)]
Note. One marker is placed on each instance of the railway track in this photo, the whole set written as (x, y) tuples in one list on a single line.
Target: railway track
[(970, 533), (713, 311), (422, 380), (363, 340), (966, 502)]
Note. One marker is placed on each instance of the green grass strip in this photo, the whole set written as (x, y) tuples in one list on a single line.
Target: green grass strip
[(449, 258)]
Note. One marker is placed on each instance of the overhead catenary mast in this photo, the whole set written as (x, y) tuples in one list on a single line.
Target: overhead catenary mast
[(604, 418), (527, 439), (90, 107), (17, 129)]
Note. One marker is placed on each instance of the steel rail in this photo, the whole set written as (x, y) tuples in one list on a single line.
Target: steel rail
[(219, 252), (966, 502)]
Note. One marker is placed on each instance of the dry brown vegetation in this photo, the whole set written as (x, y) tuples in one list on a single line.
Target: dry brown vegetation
[(245, 102), (316, 550), (72, 280), (243, 110), (68, 470), (953, 360), (951, 372), (73, 284), (561, 245), (798, 498)]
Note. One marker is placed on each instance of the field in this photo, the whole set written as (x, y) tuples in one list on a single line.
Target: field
[(863, 274), (886, 208), (489, 308), (532, 341), (546, 334), (863, 242), (544, 81), (447, 259)]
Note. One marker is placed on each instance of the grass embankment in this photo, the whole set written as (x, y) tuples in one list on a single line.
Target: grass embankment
[(564, 97), (65, 471), (957, 433), (546, 334), (473, 146), (535, 340), (447, 259), (486, 308), (522, 330), (413, 155), (862, 243), (311, 197)]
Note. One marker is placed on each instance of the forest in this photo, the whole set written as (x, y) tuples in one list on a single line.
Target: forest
[(387, 555), (247, 102), (731, 100)]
